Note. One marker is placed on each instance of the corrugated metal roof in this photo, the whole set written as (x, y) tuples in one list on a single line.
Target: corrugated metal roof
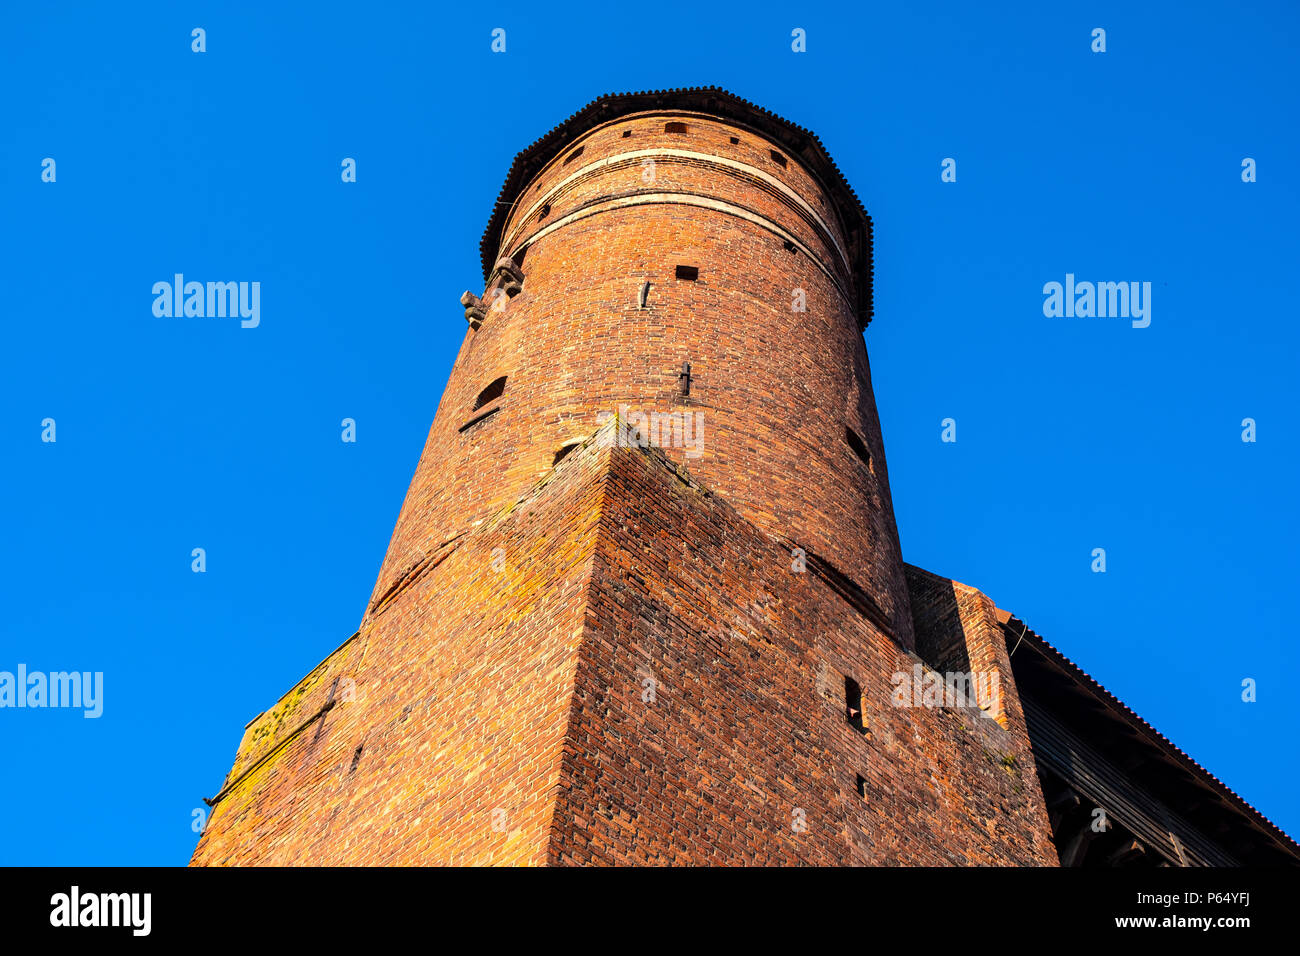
[(1019, 632)]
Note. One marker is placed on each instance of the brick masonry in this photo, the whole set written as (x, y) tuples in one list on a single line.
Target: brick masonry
[(778, 388), (500, 716), (639, 654)]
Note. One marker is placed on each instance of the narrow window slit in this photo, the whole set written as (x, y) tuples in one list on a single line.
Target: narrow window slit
[(853, 704), (494, 391), (859, 447)]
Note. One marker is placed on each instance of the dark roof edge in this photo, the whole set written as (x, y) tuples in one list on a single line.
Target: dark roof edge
[(1018, 631), (800, 142)]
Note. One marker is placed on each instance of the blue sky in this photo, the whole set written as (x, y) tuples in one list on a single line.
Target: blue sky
[(174, 433)]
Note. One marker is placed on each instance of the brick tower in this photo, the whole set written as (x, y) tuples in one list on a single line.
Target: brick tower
[(645, 601)]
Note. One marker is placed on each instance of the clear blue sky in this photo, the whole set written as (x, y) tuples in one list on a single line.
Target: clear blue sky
[(174, 434)]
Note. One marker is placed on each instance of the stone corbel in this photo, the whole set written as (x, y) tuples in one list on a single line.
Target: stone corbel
[(511, 276), (474, 311)]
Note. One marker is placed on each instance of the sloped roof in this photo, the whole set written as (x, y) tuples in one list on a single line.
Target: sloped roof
[(1181, 783), (795, 139)]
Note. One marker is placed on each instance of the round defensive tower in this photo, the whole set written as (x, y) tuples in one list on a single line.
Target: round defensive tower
[(674, 253)]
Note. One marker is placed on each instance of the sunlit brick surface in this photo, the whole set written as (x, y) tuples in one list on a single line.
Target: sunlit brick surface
[(622, 658), (777, 387)]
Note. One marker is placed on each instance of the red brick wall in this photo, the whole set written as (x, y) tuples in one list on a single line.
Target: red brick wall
[(748, 726), (497, 714), (777, 387), (519, 691), (462, 685)]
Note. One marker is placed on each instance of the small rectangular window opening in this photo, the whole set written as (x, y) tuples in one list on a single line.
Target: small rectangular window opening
[(674, 127), (853, 703), (496, 388), (777, 158), (861, 786), (859, 447), (573, 155), (483, 404), (735, 140), (627, 133), (689, 273)]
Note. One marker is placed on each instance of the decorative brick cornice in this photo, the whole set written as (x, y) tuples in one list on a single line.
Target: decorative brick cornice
[(717, 102)]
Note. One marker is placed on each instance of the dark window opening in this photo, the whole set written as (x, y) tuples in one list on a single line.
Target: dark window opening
[(519, 256), (789, 246), (859, 446), (777, 158), (545, 211), (356, 758), (573, 155), (564, 451), (491, 393), (689, 273), (627, 133), (861, 786), (674, 127), (735, 140), (853, 703)]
